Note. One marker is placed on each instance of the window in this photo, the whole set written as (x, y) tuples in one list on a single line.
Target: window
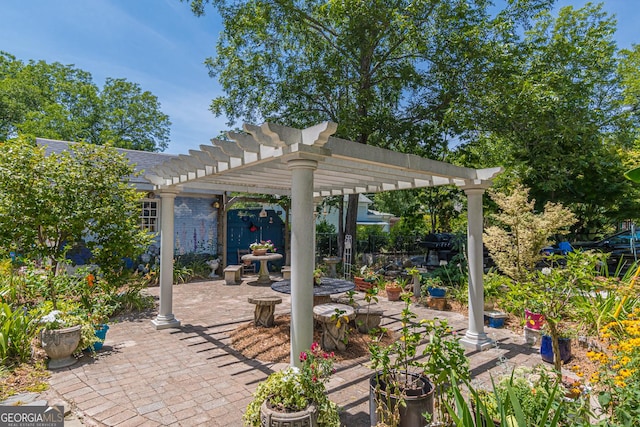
[(149, 215)]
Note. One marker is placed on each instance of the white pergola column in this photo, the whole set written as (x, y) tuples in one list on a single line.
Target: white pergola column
[(475, 336), (302, 254), (165, 318)]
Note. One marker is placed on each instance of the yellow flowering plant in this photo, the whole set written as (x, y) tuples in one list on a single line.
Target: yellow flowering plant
[(618, 377)]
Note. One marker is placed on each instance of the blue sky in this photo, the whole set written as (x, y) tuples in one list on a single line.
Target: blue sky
[(162, 46)]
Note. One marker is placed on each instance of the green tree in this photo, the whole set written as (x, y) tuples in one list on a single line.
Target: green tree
[(558, 119), (388, 72), (51, 203), (518, 234), (62, 102)]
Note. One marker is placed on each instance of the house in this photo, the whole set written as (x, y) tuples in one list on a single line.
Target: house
[(365, 216), (196, 211)]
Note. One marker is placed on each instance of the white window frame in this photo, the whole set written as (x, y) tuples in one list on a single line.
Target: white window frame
[(149, 221)]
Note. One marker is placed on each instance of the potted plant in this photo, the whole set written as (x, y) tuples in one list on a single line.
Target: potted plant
[(365, 278), (564, 344), (406, 383), (262, 247), (533, 318), (63, 332), (100, 307), (394, 288), (435, 287), (554, 288), (296, 396)]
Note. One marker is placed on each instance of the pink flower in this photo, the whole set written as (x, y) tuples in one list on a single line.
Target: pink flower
[(303, 356)]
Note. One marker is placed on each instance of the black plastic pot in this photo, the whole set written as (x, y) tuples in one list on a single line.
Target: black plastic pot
[(418, 400)]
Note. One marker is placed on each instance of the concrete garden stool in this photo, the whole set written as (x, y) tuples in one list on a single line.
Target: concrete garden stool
[(334, 319), (265, 307)]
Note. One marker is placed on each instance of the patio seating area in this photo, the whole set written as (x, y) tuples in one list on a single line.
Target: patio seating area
[(191, 375)]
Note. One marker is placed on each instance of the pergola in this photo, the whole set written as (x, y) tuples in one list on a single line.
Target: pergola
[(307, 165)]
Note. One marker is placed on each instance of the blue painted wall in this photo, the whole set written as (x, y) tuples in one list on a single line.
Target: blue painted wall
[(195, 225)]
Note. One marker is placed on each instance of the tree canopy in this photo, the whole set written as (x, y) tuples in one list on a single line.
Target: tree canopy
[(559, 121), (58, 101), (388, 72), (549, 97), (51, 203)]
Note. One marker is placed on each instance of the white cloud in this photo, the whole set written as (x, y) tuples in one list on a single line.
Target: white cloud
[(182, 210)]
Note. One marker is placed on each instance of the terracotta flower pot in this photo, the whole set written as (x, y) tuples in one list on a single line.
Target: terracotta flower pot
[(393, 293), (259, 252)]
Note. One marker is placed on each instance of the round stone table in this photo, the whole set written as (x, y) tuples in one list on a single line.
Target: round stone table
[(334, 319), (321, 292), (263, 275), (327, 286)]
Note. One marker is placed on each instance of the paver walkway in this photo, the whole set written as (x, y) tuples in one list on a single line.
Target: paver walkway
[(190, 376)]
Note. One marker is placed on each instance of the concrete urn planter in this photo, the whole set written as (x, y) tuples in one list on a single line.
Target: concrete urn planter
[(59, 344), (272, 418)]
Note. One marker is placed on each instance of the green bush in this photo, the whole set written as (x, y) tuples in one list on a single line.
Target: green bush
[(16, 332), (193, 265), (527, 397)]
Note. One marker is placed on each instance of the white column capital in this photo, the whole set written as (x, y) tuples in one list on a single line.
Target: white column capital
[(168, 193), (302, 164), (474, 190)]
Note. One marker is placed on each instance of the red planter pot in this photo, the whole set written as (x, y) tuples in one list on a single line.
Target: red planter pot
[(533, 320)]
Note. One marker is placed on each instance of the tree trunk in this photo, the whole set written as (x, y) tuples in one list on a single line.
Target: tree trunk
[(557, 358), (341, 232), (350, 223)]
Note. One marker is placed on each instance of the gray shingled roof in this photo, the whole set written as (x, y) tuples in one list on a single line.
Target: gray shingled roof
[(142, 160)]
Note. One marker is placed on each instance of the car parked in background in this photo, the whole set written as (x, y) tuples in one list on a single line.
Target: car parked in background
[(441, 247), (622, 246)]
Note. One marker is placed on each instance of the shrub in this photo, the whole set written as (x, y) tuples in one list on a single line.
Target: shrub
[(16, 332), (618, 379), (516, 240)]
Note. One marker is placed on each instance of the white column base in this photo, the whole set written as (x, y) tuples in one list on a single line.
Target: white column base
[(477, 341), (165, 322)]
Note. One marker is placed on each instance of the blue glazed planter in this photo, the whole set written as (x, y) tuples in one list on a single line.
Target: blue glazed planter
[(102, 334), (546, 349), (437, 292), (496, 322)]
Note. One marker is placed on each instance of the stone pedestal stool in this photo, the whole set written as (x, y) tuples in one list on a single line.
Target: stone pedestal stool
[(334, 319), (265, 307)]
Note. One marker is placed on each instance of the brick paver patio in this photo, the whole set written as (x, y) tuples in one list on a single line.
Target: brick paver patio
[(190, 376)]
